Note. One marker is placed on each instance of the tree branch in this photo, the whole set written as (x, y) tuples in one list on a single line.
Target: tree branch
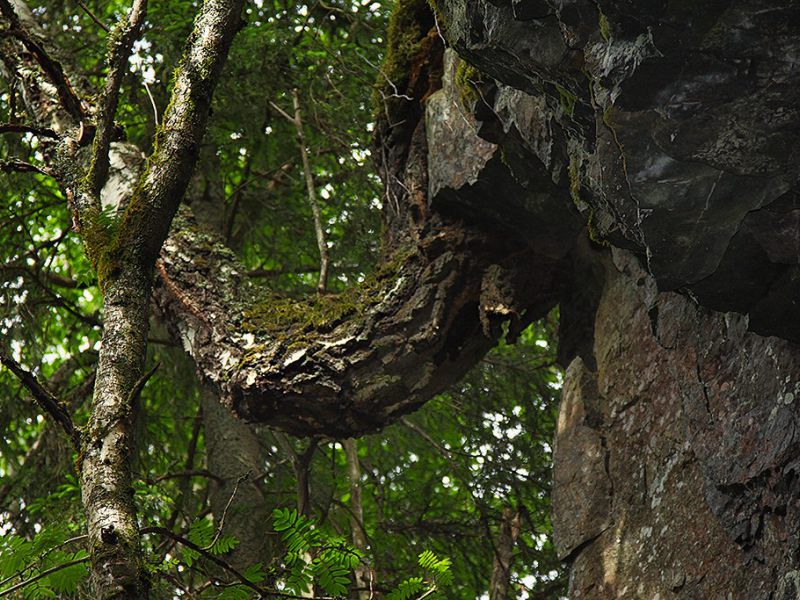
[(120, 44), (15, 165), (170, 167), (20, 128), (51, 67), (125, 260), (319, 230), (92, 16), (262, 593), (42, 575), (46, 400)]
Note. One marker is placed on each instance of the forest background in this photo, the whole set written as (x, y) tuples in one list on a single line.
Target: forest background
[(450, 501)]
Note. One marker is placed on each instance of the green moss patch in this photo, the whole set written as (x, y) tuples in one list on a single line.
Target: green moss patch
[(293, 319), (467, 78), (408, 26)]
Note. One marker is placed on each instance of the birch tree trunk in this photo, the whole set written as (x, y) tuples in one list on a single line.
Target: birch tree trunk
[(124, 257)]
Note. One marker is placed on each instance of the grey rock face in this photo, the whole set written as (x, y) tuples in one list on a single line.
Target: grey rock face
[(677, 455), (674, 130), (674, 127)]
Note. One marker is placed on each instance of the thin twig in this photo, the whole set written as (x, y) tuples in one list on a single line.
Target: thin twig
[(139, 386), (46, 400), (322, 242), (92, 16), (43, 574), (195, 473), (152, 100), (241, 478)]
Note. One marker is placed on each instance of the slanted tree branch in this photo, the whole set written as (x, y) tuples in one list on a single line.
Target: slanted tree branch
[(120, 44), (44, 398), (319, 228), (20, 128), (42, 575), (51, 67), (346, 364), (15, 165), (93, 16)]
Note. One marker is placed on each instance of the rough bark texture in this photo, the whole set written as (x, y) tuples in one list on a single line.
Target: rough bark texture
[(106, 485), (236, 460), (353, 363), (125, 262), (124, 258)]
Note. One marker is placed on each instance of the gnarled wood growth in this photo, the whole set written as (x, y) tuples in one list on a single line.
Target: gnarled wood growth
[(349, 364), (346, 364)]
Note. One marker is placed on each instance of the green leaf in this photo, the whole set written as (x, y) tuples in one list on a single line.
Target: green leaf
[(408, 588), (65, 581)]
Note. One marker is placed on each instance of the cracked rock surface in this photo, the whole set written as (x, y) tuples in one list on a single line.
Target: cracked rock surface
[(677, 455), (674, 128)]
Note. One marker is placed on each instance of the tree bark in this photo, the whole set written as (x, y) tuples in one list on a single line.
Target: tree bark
[(235, 457), (503, 555), (363, 581), (348, 364), (124, 263)]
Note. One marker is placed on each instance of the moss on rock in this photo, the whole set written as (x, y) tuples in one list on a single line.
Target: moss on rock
[(467, 78)]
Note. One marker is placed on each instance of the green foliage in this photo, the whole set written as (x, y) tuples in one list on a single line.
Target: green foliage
[(410, 588), (313, 555), (203, 534), (604, 26), (437, 576), (439, 480), (27, 560)]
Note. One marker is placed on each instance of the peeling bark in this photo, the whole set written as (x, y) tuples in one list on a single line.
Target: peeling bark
[(409, 335)]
